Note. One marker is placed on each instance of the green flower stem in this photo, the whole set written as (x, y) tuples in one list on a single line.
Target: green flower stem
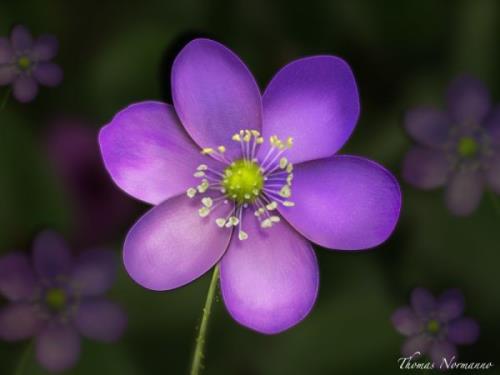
[(495, 202), (5, 99), (24, 359), (197, 365)]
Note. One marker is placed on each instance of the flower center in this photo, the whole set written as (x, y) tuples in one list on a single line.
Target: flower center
[(433, 326), (467, 147), (24, 63), (243, 181), (55, 298)]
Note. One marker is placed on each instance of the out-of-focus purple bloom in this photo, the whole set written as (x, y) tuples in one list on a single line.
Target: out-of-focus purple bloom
[(55, 299), (74, 153), (435, 326), (458, 147), (229, 149), (25, 63)]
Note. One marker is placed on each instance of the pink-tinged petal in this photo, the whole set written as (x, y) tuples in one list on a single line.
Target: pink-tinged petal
[(45, 48), (423, 302), (492, 174), (463, 331), (492, 125), (148, 154), (94, 272), (51, 255), (450, 305), (464, 191), (406, 321), (8, 74), (171, 245), (416, 346), (58, 347), (21, 39), (6, 51), (442, 352), (270, 281), (468, 100), (425, 168), (19, 321), (344, 202), (428, 126), (17, 279), (25, 89), (101, 320), (315, 101), (48, 74), (214, 94)]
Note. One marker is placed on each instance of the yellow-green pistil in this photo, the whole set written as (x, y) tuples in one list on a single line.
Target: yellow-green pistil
[(467, 147), (433, 326), (24, 63), (55, 299), (243, 181)]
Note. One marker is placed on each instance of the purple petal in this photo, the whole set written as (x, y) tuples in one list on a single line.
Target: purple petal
[(19, 321), (48, 74), (416, 345), (464, 191), (422, 302), (441, 350), (6, 52), (148, 154), (493, 173), (17, 280), (463, 331), (468, 100), (214, 94), (25, 89), (8, 74), (171, 245), (425, 168), (100, 319), (314, 100), (21, 39), (428, 126), (94, 271), (269, 282), (344, 202), (405, 321), (450, 305), (51, 255), (45, 48), (58, 347)]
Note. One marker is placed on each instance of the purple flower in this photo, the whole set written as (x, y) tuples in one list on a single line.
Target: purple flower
[(458, 147), (55, 299), (435, 326), (232, 203), (25, 63)]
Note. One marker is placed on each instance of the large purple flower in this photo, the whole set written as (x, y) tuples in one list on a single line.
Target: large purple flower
[(458, 147), (25, 63), (55, 299), (232, 203), (435, 326)]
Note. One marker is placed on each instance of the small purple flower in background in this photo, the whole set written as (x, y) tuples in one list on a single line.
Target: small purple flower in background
[(25, 63), (435, 326), (219, 165), (458, 147), (54, 299)]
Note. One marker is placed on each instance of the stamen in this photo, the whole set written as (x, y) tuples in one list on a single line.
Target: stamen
[(191, 192)]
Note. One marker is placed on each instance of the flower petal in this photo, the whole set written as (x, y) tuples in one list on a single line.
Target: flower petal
[(19, 321), (315, 101), (450, 305), (25, 89), (344, 202), (405, 321), (425, 168), (468, 100), (101, 320), (45, 48), (493, 173), (48, 74), (416, 345), (58, 347), (464, 192), (17, 279), (269, 282), (171, 245), (422, 302), (6, 51), (214, 94), (148, 154), (51, 255), (428, 126), (463, 331), (440, 351), (95, 271), (21, 39)]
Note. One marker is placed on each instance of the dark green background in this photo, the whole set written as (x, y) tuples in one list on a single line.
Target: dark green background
[(403, 54)]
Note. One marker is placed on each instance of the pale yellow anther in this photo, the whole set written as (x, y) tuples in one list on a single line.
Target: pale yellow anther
[(220, 222), (207, 150), (207, 202), (283, 162), (232, 221), (266, 223), (203, 186), (221, 149), (255, 133), (204, 211), (288, 203), (289, 142), (275, 219), (289, 179), (272, 206), (202, 167), (242, 236), (236, 137), (247, 136), (289, 168), (259, 140), (191, 192), (199, 174), (285, 191)]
